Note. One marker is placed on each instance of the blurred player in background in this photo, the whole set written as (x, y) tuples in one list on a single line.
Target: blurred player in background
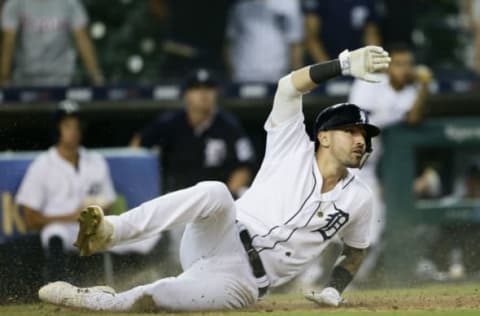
[(37, 40), (471, 9), (195, 34), (232, 251), (332, 25), (400, 97), (264, 39), (59, 184), (201, 141)]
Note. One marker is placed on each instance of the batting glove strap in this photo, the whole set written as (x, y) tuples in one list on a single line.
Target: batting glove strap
[(344, 59), (328, 296)]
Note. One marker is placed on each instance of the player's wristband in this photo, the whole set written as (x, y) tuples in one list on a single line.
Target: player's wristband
[(341, 277), (323, 71), (345, 64)]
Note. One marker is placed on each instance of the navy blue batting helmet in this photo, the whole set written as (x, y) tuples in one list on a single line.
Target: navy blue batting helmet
[(344, 115)]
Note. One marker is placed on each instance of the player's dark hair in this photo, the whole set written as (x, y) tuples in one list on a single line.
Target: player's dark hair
[(65, 109)]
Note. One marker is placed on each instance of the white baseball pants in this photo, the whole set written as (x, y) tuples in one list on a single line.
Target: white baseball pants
[(217, 274)]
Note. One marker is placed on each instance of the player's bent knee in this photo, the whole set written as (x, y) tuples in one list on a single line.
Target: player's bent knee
[(218, 192)]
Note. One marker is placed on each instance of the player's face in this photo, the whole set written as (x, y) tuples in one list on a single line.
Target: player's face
[(70, 132), (201, 99), (401, 68), (348, 145)]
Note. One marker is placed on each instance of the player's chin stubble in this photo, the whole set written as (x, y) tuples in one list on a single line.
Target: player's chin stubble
[(353, 162)]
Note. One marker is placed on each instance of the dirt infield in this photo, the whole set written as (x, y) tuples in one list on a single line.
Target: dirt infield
[(433, 300)]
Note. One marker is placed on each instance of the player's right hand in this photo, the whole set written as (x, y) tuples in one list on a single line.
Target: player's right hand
[(328, 296), (364, 62)]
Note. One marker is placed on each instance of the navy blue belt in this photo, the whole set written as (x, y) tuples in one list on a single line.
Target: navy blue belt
[(255, 261)]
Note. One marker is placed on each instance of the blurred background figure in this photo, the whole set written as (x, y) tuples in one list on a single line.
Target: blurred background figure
[(195, 33), (58, 185), (428, 184), (400, 97), (264, 39), (472, 13), (201, 141), (397, 21), (37, 41), (334, 25)]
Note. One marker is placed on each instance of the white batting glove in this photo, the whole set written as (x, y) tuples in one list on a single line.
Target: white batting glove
[(364, 62), (328, 296)]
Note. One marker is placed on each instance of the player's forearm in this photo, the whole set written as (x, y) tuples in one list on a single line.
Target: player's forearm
[(239, 179), (288, 98), (309, 77), (416, 114), (361, 63), (8, 43), (353, 259), (477, 47), (317, 51), (313, 43), (35, 220), (343, 274), (87, 53), (296, 55), (372, 35)]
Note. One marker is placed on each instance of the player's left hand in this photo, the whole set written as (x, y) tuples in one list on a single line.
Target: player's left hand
[(365, 62), (328, 296)]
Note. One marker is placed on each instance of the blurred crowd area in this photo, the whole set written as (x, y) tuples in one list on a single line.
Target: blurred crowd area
[(150, 41)]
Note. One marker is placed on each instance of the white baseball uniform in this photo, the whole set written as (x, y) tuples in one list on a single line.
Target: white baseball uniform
[(386, 106), (288, 217), (54, 187)]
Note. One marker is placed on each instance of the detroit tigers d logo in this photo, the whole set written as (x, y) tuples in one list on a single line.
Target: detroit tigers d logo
[(335, 221)]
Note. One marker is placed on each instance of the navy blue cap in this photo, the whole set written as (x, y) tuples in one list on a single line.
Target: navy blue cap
[(200, 77)]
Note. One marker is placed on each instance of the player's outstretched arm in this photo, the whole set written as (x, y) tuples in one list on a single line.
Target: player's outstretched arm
[(361, 63), (342, 275)]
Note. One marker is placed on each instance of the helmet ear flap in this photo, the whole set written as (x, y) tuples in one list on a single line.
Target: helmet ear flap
[(363, 160), (368, 144), (368, 151)]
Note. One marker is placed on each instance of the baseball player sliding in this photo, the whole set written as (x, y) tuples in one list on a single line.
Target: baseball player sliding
[(233, 251)]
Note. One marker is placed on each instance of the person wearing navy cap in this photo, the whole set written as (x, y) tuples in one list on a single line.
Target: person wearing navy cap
[(200, 141)]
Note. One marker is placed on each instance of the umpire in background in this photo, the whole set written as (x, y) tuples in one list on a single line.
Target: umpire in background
[(200, 141)]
